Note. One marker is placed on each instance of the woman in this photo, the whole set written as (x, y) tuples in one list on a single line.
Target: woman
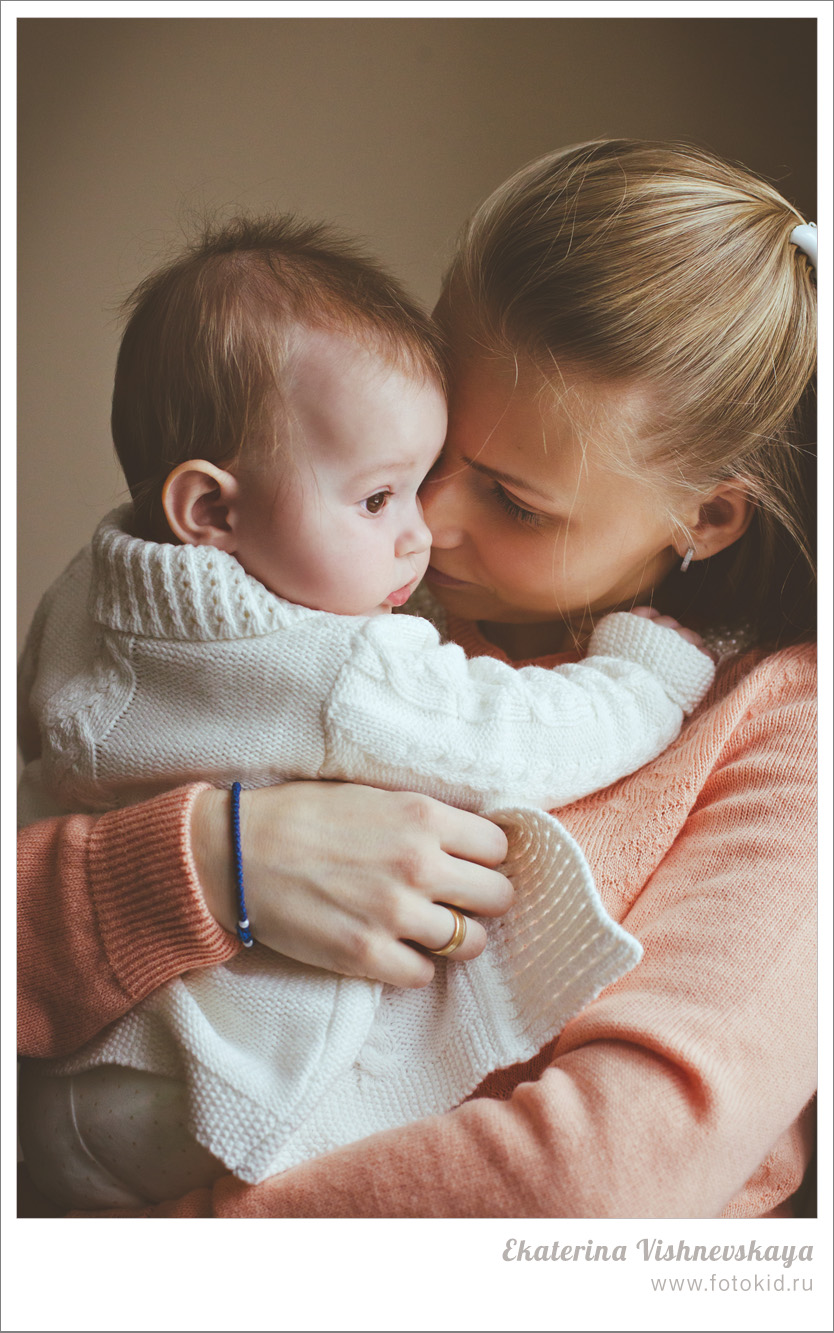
[(617, 435)]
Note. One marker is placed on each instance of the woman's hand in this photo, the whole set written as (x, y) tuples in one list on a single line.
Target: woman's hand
[(349, 878)]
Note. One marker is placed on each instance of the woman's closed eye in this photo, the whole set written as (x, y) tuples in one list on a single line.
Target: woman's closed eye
[(376, 503), (528, 517)]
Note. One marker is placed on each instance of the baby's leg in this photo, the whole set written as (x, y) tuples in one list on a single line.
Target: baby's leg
[(111, 1137)]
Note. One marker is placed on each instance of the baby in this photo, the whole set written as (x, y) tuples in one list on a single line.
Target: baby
[(278, 403)]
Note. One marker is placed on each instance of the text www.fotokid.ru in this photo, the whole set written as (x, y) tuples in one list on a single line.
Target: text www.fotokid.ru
[(724, 1284)]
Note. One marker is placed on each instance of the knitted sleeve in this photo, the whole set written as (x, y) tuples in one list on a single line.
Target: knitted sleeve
[(407, 711), (108, 910), (680, 1091)]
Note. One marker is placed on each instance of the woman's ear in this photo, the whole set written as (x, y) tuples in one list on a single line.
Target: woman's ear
[(721, 519), (199, 500)]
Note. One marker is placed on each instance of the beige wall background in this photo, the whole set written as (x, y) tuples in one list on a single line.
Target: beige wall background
[(393, 128)]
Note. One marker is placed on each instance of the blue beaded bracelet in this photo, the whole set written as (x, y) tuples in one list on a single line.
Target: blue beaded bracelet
[(243, 932)]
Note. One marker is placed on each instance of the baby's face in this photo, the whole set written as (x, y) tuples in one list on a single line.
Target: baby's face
[(335, 524)]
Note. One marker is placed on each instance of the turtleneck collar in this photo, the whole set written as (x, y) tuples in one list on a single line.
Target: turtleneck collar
[(161, 590)]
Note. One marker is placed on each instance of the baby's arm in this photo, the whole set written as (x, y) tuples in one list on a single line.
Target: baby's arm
[(408, 711), (689, 635)]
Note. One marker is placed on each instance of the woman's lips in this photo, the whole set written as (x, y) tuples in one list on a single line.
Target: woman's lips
[(444, 580)]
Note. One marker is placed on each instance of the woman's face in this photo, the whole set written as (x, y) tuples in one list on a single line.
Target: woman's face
[(534, 533)]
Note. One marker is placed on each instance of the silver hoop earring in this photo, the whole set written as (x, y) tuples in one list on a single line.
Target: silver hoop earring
[(687, 559)]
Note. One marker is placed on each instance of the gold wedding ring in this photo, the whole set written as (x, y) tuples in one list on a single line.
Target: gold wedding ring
[(457, 937)]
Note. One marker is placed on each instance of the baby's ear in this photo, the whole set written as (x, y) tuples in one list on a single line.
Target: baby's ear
[(199, 502)]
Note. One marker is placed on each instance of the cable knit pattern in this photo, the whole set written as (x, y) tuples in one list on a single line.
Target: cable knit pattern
[(412, 715), (681, 1092), (268, 690), (339, 1058), (162, 591), (156, 664)]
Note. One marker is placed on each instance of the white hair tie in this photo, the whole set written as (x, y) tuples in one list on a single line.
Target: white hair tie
[(805, 238)]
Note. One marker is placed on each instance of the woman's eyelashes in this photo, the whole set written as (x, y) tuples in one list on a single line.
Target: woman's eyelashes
[(516, 511)]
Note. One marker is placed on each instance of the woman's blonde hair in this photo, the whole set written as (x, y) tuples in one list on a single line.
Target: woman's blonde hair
[(661, 264)]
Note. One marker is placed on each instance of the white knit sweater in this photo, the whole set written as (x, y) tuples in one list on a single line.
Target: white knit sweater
[(151, 665)]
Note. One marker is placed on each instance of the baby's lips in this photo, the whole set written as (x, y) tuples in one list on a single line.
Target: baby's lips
[(401, 596)]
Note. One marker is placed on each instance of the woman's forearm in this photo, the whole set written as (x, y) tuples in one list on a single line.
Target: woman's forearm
[(109, 909), (338, 876)]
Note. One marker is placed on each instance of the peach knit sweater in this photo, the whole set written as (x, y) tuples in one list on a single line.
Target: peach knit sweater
[(682, 1091)]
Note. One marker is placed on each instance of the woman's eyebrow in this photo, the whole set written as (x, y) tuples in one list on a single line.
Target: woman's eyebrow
[(520, 483)]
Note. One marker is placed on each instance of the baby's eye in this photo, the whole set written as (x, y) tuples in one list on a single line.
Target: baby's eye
[(377, 502)]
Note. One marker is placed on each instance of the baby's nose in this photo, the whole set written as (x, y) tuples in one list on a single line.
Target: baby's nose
[(416, 537), (442, 507)]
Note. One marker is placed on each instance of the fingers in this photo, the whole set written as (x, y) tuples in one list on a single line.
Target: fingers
[(688, 635), (651, 613), (669, 622), (434, 925), (450, 857), (397, 963), (400, 963), (343, 877), (472, 945), (470, 888), (468, 836), (473, 942), (691, 637)]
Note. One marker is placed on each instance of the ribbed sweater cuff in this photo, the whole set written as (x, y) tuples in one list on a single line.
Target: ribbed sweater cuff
[(682, 669), (153, 920)]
